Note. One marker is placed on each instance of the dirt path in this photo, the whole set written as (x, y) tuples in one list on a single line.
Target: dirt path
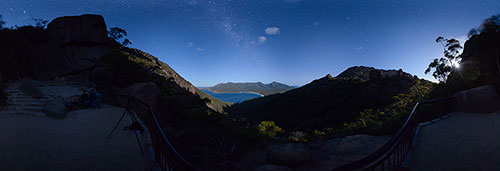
[(75, 143), (465, 141)]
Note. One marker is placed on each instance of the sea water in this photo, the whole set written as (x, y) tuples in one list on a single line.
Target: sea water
[(233, 97)]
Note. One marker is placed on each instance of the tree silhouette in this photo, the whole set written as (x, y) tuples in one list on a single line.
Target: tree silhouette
[(1, 22), (490, 24), (444, 65), (117, 34), (126, 42), (40, 23)]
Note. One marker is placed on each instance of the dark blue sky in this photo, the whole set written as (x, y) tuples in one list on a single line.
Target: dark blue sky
[(290, 41)]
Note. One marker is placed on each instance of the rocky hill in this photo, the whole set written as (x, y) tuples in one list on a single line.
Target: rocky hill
[(70, 48), (258, 87), (78, 49), (330, 101)]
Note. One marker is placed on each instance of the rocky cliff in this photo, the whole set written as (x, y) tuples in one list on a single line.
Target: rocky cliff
[(74, 45)]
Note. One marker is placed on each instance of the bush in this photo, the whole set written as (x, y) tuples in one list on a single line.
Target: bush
[(269, 128), (319, 134), (299, 136)]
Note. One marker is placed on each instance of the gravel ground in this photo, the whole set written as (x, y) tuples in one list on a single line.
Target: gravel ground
[(465, 141), (74, 143)]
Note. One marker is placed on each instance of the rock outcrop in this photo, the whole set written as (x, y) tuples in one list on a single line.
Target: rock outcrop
[(289, 154), (482, 99), (75, 43), (56, 109)]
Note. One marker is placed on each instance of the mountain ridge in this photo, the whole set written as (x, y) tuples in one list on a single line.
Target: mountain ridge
[(329, 101), (252, 87)]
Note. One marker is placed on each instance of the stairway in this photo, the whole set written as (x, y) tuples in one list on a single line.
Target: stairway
[(22, 104)]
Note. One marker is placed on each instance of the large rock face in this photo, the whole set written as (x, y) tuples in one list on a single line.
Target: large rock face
[(75, 43), (56, 109), (78, 29), (482, 99)]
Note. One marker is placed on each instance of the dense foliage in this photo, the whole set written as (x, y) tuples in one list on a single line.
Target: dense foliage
[(269, 128), (119, 34)]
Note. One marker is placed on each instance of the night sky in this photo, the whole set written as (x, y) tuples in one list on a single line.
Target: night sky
[(290, 41)]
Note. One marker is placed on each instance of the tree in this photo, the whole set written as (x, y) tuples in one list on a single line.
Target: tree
[(117, 34), (2, 23), (126, 42), (40, 23), (444, 65), (491, 24)]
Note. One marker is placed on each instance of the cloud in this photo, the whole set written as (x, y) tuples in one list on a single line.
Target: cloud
[(199, 49), (190, 44), (272, 30), (262, 39)]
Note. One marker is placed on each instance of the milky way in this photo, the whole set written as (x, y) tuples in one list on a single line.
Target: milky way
[(291, 41)]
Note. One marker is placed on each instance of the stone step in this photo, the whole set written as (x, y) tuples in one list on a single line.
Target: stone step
[(22, 108), (28, 100), (25, 97), (22, 112), (13, 91), (29, 103)]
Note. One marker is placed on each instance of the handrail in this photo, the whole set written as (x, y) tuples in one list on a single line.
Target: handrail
[(397, 147), (166, 155)]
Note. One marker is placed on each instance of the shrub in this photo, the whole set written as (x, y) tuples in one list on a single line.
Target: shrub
[(319, 134), (299, 136), (269, 128)]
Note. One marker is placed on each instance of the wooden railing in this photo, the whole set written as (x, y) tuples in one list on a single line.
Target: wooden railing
[(165, 155), (393, 153)]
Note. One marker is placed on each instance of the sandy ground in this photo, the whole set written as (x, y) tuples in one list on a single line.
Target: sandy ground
[(465, 141), (74, 143)]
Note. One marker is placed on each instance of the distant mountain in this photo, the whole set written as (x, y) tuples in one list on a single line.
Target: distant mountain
[(258, 87), (330, 101)]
